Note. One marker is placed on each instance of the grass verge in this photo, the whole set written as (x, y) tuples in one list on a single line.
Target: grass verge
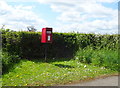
[(37, 73)]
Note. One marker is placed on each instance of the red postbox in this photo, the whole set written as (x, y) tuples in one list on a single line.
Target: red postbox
[(46, 35)]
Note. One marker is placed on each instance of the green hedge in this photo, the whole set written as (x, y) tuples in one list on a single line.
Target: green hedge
[(28, 44), (97, 41), (100, 50)]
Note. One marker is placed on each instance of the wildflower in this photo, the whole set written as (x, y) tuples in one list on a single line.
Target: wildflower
[(17, 75), (85, 76), (64, 74), (95, 71), (85, 66), (102, 67), (25, 84)]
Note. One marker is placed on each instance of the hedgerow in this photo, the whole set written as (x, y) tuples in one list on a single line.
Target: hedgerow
[(65, 45), (28, 44)]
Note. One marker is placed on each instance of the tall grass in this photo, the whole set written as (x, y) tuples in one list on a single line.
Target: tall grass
[(100, 57), (8, 61)]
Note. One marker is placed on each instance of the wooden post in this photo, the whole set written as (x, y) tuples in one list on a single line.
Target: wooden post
[(45, 52)]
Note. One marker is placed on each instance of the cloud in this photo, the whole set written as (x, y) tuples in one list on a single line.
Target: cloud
[(74, 15), (82, 11), (107, 1), (96, 26), (76, 1), (84, 15), (19, 17)]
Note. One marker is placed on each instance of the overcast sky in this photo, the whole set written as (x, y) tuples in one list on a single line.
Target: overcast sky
[(84, 16)]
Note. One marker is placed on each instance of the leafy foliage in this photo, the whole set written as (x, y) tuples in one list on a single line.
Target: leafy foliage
[(8, 61), (65, 45), (104, 57)]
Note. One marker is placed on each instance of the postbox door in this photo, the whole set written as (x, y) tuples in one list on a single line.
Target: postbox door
[(49, 36)]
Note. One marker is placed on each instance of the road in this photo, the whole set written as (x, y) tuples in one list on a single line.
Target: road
[(106, 81)]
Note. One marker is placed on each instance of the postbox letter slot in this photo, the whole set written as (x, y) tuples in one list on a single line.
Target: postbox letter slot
[(48, 32)]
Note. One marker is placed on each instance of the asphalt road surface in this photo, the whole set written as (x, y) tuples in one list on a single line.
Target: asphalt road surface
[(107, 81)]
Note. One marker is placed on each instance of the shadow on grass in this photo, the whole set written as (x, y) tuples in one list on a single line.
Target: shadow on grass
[(64, 66), (9, 67), (49, 60)]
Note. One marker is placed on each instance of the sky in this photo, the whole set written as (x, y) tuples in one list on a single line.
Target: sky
[(83, 16)]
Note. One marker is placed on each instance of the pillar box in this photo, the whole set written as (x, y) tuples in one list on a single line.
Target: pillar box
[(46, 35)]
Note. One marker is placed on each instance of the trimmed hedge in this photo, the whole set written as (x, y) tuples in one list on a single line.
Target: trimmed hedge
[(98, 41), (28, 44)]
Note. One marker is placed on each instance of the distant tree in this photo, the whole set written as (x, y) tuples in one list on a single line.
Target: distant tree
[(31, 28), (3, 26)]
